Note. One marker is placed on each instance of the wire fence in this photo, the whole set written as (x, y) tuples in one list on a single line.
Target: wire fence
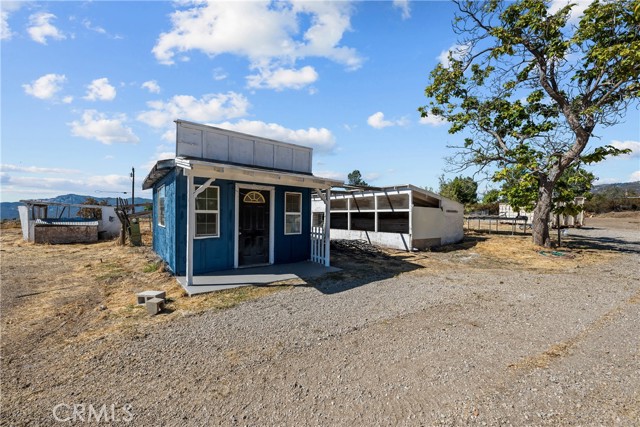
[(497, 224)]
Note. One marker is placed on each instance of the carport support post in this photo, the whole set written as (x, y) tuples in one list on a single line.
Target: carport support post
[(327, 228)]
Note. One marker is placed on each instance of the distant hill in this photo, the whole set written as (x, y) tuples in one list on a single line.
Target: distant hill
[(623, 186), (9, 210)]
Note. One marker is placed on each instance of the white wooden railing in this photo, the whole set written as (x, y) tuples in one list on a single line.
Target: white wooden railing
[(318, 245)]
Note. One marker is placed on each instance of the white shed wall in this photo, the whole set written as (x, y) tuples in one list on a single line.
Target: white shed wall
[(428, 223), (453, 231), (24, 222), (109, 222), (429, 226)]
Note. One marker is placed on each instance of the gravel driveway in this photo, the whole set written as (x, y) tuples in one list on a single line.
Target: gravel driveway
[(495, 346)]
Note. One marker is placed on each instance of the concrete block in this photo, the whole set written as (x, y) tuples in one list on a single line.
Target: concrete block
[(154, 306), (145, 296)]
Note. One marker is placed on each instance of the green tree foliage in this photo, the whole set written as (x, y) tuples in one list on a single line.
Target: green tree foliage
[(491, 196), (530, 88), (92, 213), (355, 178), (461, 189), (613, 199)]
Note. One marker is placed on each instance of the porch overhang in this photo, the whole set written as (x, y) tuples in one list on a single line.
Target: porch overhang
[(159, 171), (215, 170)]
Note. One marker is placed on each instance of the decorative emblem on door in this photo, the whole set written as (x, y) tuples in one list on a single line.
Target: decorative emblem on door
[(253, 197)]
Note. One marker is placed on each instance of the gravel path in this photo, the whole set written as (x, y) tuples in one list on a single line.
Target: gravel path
[(469, 347)]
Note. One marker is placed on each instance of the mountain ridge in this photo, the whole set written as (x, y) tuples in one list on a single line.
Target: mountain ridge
[(9, 210)]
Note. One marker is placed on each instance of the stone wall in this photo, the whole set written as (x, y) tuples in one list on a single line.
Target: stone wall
[(57, 234)]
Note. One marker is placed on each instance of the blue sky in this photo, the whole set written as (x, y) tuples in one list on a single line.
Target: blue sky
[(91, 89)]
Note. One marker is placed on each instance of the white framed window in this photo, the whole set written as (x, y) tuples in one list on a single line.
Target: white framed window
[(160, 207), (292, 213), (207, 213)]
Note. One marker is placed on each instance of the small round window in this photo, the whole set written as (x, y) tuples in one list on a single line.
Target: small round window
[(253, 197)]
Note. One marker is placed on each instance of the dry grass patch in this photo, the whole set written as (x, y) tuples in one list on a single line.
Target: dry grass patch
[(65, 293), (505, 251)]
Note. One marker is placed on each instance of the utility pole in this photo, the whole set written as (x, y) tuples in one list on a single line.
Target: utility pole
[(133, 186)]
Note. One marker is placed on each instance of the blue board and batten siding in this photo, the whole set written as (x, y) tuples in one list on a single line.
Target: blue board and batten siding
[(164, 237), (217, 253), (292, 247)]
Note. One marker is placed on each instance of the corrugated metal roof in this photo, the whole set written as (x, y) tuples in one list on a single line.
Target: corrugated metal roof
[(66, 221), (159, 171)]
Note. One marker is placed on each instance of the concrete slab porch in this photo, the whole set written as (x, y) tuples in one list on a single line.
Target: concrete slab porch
[(262, 275)]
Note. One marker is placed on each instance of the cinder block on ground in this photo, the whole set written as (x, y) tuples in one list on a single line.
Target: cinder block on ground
[(145, 296), (154, 306)]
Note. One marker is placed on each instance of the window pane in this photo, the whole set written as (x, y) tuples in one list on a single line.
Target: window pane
[(201, 218), (201, 203), (212, 196), (206, 224), (293, 202), (160, 206), (292, 224), (212, 224), (207, 200), (212, 204), (201, 229)]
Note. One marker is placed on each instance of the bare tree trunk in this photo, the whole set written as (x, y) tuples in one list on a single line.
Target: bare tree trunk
[(542, 212)]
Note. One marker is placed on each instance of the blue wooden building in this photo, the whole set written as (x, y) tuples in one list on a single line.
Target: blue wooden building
[(231, 200)]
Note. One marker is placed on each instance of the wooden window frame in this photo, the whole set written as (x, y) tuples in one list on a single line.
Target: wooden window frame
[(208, 211), (294, 214), (161, 200)]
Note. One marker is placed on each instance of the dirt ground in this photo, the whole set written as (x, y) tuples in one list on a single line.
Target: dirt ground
[(487, 331)]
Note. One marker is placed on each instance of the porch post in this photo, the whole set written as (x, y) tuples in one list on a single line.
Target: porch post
[(327, 228), (191, 222)]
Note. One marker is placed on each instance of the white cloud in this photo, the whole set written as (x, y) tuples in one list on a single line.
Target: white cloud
[(282, 78), (634, 146), (100, 90), (159, 155), (35, 169), (372, 176), (433, 120), (211, 107), (576, 12), (152, 86), (98, 29), (5, 30), (40, 28), (109, 181), (635, 176), (456, 51), (99, 126), (321, 139), (403, 5), (46, 86), (219, 74), (41, 186), (67, 99), (272, 35), (7, 8), (340, 176), (377, 121)]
